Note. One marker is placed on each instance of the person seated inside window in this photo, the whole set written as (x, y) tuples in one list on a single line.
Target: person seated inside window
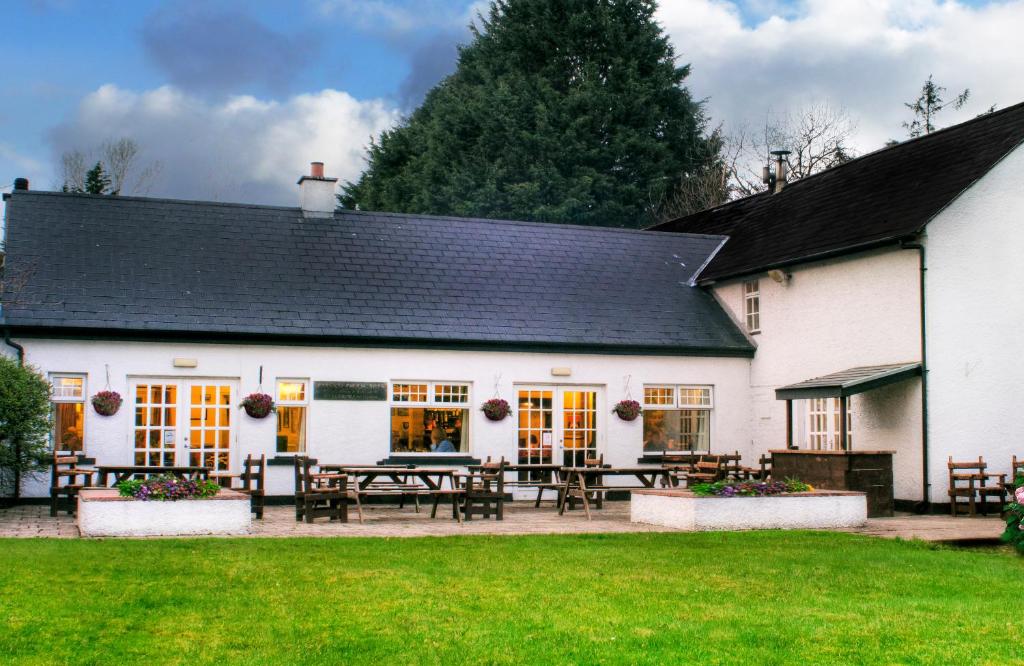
[(439, 441)]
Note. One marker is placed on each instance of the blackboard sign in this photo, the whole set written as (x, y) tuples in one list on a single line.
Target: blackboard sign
[(350, 391)]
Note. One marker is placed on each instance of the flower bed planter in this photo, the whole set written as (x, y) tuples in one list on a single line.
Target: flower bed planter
[(681, 509), (103, 512)]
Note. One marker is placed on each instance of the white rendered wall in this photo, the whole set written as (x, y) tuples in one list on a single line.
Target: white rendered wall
[(830, 316), (359, 432), (975, 317)]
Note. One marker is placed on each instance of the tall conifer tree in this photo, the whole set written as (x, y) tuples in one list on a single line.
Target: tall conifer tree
[(569, 111)]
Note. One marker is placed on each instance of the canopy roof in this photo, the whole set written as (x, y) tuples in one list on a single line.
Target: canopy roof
[(849, 382)]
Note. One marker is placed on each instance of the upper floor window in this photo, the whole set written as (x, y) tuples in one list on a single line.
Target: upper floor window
[(429, 417), (68, 399), (677, 418), (292, 401), (752, 305)]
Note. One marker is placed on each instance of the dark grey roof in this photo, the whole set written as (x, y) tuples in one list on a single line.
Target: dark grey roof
[(849, 382), (882, 197), (128, 264)]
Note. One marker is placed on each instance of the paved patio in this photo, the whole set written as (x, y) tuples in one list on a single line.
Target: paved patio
[(520, 518)]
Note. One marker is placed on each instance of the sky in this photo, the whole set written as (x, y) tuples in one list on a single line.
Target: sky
[(233, 99)]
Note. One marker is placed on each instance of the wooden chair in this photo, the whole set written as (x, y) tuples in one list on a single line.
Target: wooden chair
[(762, 472), (253, 478), (323, 494), (964, 479), (484, 491), (1016, 469), (707, 470), (66, 479), (991, 485), (732, 467)]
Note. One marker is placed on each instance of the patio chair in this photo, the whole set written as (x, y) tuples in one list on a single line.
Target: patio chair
[(731, 467), (66, 479), (1016, 469), (964, 479), (484, 491), (991, 485), (323, 494), (253, 478), (707, 470)]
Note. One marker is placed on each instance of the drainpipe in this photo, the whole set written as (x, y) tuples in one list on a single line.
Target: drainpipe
[(17, 447), (14, 345), (925, 504)]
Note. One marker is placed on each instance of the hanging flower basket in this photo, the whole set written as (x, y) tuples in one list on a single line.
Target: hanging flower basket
[(258, 405), (627, 410), (496, 409), (106, 403)]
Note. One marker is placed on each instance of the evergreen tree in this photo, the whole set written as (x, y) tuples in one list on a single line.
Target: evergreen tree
[(97, 181), (927, 105), (567, 111)]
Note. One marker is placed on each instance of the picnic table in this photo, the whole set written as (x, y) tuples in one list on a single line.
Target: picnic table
[(125, 472), (585, 480), (429, 481)]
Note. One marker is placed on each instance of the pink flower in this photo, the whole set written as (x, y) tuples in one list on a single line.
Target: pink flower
[(1020, 495)]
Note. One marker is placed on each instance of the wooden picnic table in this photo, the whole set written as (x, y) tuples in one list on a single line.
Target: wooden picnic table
[(125, 472), (431, 478), (590, 480)]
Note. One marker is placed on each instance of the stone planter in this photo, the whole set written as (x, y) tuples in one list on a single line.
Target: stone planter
[(683, 510), (104, 513)]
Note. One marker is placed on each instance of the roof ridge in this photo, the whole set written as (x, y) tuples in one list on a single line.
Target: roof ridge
[(872, 154), (118, 197)]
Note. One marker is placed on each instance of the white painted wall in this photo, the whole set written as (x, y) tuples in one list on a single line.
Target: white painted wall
[(857, 310), (359, 432), (975, 317)]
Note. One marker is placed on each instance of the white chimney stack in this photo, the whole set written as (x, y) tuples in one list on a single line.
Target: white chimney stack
[(316, 193)]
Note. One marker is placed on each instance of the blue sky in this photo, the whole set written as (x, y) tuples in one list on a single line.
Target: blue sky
[(233, 99)]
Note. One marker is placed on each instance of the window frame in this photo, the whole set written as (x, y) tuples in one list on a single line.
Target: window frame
[(752, 305), (63, 399), (432, 402), (679, 405), (304, 403)]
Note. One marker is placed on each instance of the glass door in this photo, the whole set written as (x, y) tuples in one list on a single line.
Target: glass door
[(156, 423), (210, 425), (578, 425), (180, 423), (556, 425)]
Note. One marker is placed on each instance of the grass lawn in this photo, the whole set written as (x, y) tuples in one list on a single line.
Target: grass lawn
[(756, 597)]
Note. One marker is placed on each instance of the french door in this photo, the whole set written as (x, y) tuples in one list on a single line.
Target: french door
[(824, 416), (558, 424), (184, 422)]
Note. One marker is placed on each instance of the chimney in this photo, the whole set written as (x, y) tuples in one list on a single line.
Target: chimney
[(21, 184), (316, 193), (779, 181)]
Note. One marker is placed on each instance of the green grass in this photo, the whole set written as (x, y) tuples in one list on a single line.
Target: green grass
[(757, 597)]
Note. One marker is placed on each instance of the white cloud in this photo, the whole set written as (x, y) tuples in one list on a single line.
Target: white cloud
[(869, 56), (240, 149)]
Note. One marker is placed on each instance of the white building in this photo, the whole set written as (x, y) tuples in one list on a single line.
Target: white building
[(371, 329)]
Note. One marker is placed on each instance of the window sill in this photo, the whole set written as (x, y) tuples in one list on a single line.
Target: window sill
[(460, 459), (284, 459), (659, 458)]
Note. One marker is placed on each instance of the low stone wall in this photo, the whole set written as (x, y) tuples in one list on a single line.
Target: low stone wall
[(103, 513), (683, 510)]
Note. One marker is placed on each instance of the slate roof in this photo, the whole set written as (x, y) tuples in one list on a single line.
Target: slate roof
[(879, 198), (849, 382), (124, 264)]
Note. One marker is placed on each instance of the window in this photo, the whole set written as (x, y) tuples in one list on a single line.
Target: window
[(68, 397), (752, 305), (677, 418), (292, 400), (429, 417)]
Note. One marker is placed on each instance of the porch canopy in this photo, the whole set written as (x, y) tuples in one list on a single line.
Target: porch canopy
[(848, 382), (842, 385)]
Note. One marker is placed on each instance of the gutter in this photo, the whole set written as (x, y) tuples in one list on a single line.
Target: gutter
[(925, 504)]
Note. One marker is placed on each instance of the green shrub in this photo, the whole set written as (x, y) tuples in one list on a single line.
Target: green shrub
[(1014, 534), (24, 422)]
